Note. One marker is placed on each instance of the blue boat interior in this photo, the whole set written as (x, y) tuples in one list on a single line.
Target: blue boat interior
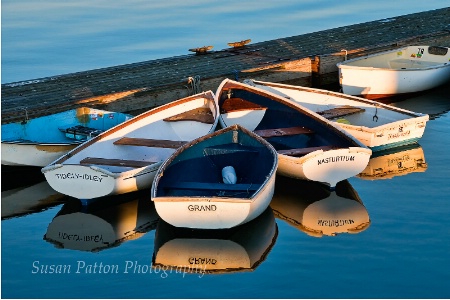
[(197, 171), (278, 115), (69, 127)]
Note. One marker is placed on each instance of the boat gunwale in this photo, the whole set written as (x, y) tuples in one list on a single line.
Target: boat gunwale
[(340, 95)]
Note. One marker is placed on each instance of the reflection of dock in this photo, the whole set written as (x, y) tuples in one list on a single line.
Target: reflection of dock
[(317, 211), (395, 162), (102, 224), (240, 248), (29, 199)]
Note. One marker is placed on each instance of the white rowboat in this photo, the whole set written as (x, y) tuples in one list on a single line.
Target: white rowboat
[(376, 125), (391, 73), (39, 141), (221, 180), (309, 146), (125, 158)]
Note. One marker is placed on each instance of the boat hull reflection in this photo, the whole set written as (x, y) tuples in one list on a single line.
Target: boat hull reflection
[(395, 162), (104, 223), (241, 248), (317, 211)]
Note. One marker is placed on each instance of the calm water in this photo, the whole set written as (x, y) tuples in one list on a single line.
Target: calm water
[(376, 237)]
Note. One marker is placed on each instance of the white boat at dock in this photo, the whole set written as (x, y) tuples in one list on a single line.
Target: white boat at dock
[(221, 180), (406, 70), (309, 146), (126, 157), (39, 141), (378, 126)]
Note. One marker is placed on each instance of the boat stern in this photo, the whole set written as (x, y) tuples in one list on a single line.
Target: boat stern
[(328, 167), (82, 182), (203, 213)]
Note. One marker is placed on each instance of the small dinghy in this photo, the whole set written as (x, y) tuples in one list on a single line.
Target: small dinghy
[(391, 73), (125, 158), (39, 141), (309, 146), (376, 125), (221, 180)]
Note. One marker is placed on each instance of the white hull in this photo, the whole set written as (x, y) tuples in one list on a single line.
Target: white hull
[(105, 166), (211, 206), (395, 72), (88, 182), (40, 155), (378, 126), (328, 167), (214, 212), (325, 166)]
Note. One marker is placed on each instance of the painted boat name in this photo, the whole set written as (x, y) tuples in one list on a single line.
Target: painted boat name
[(78, 176), (211, 207), (335, 159), (399, 134)]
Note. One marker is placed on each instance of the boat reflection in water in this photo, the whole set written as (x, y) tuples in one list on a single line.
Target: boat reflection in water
[(241, 248), (317, 211), (395, 162), (104, 223), (25, 191)]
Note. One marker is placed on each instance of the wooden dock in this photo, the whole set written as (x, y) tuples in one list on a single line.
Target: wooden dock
[(307, 60)]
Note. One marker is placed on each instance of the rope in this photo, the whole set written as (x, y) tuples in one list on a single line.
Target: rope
[(236, 75), (26, 116), (194, 85)]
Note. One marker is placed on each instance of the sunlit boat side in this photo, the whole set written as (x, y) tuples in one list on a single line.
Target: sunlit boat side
[(126, 157)]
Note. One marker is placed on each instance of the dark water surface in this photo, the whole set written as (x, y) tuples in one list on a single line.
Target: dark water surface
[(375, 237)]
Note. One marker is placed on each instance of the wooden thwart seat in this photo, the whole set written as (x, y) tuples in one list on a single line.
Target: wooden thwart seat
[(200, 114), (238, 104), (115, 162), (304, 151), (149, 143), (340, 111), (188, 185), (267, 133)]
